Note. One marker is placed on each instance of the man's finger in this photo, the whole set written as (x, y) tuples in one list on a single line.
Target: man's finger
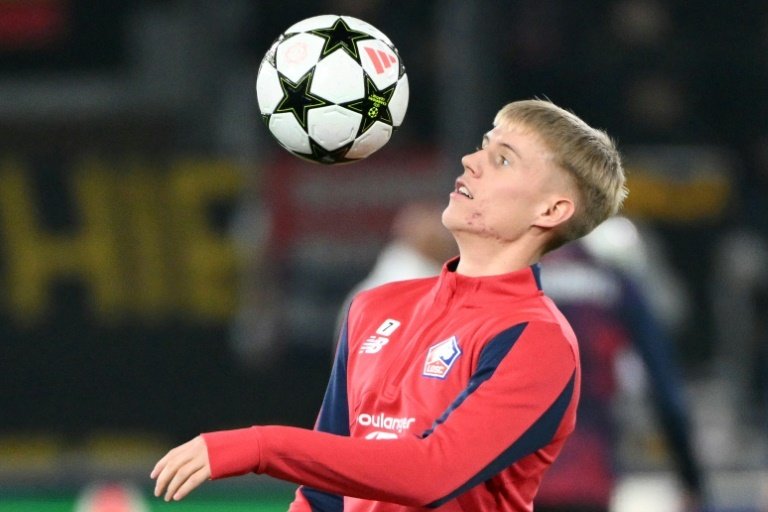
[(167, 467), (188, 468), (157, 469), (163, 479), (192, 482)]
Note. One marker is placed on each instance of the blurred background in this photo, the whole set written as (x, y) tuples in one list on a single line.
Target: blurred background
[(167, 269)]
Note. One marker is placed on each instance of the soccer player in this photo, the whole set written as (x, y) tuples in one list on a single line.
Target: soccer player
[(455, 391)]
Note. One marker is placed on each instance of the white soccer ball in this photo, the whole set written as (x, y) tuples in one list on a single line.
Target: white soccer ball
[(332, 89)]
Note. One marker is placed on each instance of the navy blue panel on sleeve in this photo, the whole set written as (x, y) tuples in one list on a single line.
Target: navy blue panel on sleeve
[(334, 413), (493, 353), (320, 501), (534, 438), (333, 418)]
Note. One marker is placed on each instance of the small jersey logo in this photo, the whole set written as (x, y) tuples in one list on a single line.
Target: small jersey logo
[(441, 357), (388, 427), (373, 344), (388, 327), (376, 342)]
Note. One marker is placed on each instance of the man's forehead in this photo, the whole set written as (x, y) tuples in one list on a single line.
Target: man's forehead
[(499, 132), (508, 134)]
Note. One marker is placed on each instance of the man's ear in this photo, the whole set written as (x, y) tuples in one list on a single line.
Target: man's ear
[(557, 212)]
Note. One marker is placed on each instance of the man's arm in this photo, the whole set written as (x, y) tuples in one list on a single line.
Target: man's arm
[(515, 404)]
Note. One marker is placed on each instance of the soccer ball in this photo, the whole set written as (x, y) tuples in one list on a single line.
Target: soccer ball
[(332, 89)]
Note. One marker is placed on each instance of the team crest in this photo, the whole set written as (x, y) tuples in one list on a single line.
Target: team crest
[(441, 357)]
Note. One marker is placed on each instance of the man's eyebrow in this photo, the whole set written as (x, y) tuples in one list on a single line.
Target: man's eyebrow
[(487, 140), (511, 148)]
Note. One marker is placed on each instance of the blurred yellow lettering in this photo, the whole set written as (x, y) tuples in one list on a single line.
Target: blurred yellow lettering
[(145, 242)]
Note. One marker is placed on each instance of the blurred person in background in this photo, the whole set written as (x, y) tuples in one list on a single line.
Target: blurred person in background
[(418, 246), (457, 390), (612, 315), (253, 331)]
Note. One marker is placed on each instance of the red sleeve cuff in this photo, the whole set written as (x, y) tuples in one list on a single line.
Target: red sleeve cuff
[(233, 452)]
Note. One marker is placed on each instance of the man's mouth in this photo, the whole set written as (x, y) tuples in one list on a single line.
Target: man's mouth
[(462, 189)]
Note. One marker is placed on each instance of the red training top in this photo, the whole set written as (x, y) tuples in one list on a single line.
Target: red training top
[(453, 392)]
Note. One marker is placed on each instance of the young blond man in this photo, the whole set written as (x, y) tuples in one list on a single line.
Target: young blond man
[(456, 391)]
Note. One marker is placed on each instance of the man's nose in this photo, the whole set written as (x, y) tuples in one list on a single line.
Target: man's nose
[(471, 162)]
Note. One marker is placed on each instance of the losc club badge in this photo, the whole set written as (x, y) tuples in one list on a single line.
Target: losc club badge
[(441, 357)]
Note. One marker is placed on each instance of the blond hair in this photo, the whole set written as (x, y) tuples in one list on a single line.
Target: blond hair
[(587, 154)]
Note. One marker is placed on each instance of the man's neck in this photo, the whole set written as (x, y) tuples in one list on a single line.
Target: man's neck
[(481, 258)]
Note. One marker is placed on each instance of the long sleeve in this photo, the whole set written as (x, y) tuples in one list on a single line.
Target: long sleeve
[(519, 402)]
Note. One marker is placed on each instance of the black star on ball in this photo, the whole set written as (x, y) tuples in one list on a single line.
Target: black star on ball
[(297, 99), (324, 156), (374, 106), (341, 36)]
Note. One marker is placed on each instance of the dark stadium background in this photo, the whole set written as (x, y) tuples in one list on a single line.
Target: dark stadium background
[(167, 270)]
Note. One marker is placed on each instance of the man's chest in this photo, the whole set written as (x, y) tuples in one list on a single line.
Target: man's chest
[(405, 370)]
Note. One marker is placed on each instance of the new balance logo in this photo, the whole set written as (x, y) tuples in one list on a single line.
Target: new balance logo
[(373, 345), (381, 60)]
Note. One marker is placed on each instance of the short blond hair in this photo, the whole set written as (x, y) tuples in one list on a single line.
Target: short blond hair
[(588, 154)]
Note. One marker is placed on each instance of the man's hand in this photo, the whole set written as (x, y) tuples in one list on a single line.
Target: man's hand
[(182, 470)]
